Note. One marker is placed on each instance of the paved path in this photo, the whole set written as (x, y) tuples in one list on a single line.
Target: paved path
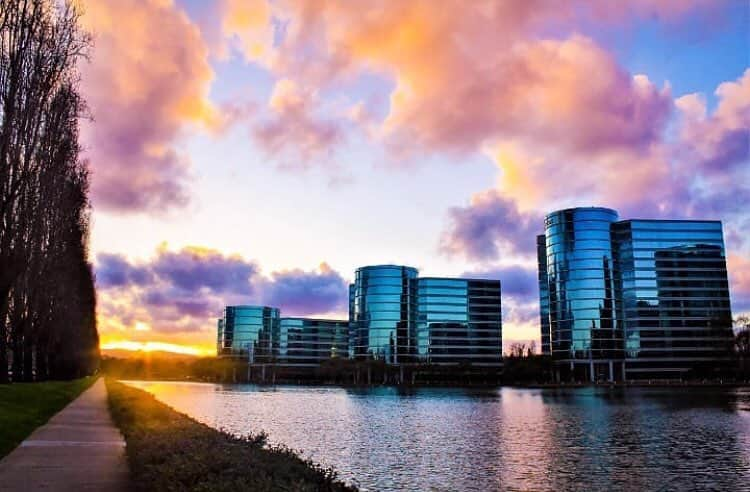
[(78, 449)]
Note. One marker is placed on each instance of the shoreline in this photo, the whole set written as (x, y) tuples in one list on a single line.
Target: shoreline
[(169, 450), (573, 385)]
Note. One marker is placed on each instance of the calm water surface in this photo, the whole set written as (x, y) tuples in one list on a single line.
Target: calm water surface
[(504, 439)]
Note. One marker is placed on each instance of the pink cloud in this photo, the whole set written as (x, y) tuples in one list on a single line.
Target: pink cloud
[(293, 133), (568, 94), (721, 141), (147, 79), (466, 74)]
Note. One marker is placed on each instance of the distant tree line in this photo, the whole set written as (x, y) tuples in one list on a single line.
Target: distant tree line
[(341, 371), (47, 296), (522, 365)]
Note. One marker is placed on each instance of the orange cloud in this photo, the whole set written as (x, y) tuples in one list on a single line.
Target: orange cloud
[(246, 25)]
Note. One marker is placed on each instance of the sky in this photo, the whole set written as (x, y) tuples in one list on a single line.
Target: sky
[(247, 152)]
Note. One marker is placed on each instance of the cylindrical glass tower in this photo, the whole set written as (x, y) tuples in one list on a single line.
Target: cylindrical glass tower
[(581, 286), (252, 332), (383, 306)]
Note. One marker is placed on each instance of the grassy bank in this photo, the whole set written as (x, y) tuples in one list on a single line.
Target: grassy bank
[(26, 406), (170, 451)]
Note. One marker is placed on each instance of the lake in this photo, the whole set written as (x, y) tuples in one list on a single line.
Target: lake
[(385, 438)]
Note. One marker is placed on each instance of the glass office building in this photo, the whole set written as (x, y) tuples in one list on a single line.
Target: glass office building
[(394, 316), (673, 296), (308, 342), (634, 298), (250, 332), (459, 321), (383, 320)]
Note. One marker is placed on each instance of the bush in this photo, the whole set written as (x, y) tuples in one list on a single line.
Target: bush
[(169, 451)]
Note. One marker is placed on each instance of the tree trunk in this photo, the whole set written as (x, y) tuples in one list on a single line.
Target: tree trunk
[(4, 337), (28, 354), (17, 354), (42, 367)]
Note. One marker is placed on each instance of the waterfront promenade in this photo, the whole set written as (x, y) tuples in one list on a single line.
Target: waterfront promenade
[(78, 449)]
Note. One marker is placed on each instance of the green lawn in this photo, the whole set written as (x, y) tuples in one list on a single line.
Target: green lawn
[(169, 451), (26, 406)]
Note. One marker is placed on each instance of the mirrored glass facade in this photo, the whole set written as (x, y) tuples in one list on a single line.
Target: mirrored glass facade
[(383, 322), (541, 252), (633, 298), (250, 332), (580, 280), (459, 321), (673, 296), (306, 341), (221, 339)]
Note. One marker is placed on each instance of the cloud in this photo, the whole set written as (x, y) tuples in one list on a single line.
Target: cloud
[(465, 74), (148, 79), (721, 141), (193, 269), (302, 293), (293, 133), (114, 270), (739, 279), (460, 76), (183, 292), (246, 25), (489, 226), (174, 292), (587, 104)]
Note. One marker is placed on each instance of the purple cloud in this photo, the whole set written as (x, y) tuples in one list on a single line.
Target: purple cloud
[(732, 150), (114, 270), (301, 293), (186, 290), (192, 269), (517, 281), (491, 224)]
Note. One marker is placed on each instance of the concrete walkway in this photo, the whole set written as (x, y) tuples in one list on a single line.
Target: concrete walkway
[(78, 449)]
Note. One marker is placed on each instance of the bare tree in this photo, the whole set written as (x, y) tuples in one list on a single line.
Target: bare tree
[(742, 336), (47, 298)]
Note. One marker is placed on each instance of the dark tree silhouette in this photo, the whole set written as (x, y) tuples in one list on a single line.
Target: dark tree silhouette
[(742, 346), (47, 297), (742, 336)]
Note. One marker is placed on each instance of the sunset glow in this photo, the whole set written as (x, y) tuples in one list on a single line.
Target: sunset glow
[(157, 346)]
